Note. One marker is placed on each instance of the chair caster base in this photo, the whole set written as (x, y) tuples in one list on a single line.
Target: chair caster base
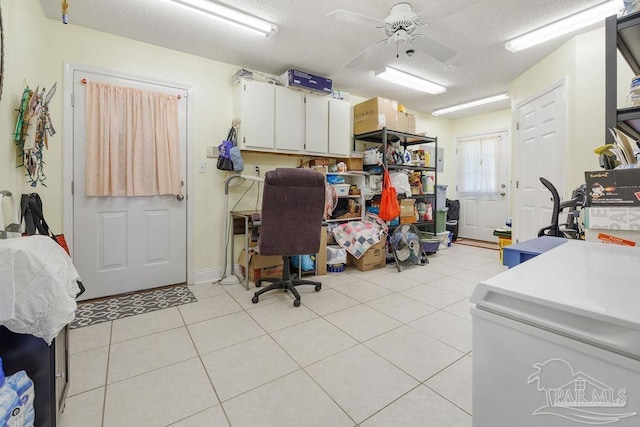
[(254, 299), (318, 287), (296, 303)]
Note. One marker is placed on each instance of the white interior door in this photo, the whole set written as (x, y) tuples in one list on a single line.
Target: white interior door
[(482, 184), (541, 152), (125, 244)]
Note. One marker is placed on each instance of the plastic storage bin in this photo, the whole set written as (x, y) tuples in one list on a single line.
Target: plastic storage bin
[(441, 194), (342, 189), (441, 218), (430, 244)]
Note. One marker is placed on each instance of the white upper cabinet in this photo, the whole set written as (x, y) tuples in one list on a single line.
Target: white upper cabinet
[(276, 119), (339, 127), (255, 102), (289, 119), (317, 125)]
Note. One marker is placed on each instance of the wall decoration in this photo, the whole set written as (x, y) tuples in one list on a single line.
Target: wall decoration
[(32, 131)]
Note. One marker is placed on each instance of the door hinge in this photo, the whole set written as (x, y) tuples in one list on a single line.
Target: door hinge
[(73, 99), (517, 184), (517, 125), (72, 189)]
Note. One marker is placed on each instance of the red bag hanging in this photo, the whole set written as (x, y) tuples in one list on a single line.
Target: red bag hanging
[(389, 206)]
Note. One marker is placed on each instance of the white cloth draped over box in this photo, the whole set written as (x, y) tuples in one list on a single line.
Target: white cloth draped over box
[(38, 286), (132, 142)]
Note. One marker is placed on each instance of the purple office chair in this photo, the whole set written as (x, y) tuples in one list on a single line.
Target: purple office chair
[(290, 224)]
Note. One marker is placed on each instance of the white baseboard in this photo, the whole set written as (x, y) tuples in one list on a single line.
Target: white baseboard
[(211, 275)]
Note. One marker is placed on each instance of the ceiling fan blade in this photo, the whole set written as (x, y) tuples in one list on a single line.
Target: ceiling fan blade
[(434, 49), (362, 57), (354, 18), (442, 9)]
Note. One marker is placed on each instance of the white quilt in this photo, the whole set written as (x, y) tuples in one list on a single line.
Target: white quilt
[(38, 286)]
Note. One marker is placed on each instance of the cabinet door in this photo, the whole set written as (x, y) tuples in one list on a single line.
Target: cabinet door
[(257, 115), (317, 125), (289, 119), (339, 127)]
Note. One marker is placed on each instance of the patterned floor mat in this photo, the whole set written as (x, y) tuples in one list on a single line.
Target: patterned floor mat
[(104, 310)]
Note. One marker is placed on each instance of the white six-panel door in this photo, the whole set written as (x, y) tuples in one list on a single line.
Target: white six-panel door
[(541, 152), (125, 244)]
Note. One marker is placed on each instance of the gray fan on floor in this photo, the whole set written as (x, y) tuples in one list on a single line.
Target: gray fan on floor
[(406, 245)]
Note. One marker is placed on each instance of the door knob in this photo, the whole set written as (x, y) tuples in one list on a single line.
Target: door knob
[(503, 194), (180, 197)]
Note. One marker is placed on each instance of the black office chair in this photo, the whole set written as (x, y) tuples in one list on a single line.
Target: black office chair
[(290, 223), (570, 229)]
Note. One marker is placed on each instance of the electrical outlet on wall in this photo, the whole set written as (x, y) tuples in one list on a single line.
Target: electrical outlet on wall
[(257, 170), (202, 167)]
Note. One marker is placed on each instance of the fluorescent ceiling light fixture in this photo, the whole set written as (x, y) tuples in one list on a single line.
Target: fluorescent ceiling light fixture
[(488, 100), (564, 26), (401, 78), (232, 15)]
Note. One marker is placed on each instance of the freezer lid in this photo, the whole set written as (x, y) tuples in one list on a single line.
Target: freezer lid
[(582, 290)]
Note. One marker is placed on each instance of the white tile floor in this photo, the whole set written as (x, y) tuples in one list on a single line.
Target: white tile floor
[(377, 348)]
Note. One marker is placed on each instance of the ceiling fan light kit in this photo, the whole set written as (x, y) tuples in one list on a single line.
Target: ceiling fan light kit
[(470, 104), (232, 15), (409, 80), (564, 26)]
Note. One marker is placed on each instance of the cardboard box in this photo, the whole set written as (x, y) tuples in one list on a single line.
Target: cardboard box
[(321, 257), (405, 123), (613, 237), (411, 124), (374, 257), (613, 218), (319, 162), (376, 113), (302, 80), (354, 163), (407, 208), (261, 266), (616, 187)]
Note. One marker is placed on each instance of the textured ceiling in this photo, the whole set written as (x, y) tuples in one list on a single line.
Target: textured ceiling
[(309, 40)]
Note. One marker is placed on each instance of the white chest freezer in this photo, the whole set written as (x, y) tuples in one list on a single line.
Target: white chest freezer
[(556, 340)]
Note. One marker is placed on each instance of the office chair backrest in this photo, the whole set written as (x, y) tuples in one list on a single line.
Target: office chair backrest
[(554, 228), (292, 209)]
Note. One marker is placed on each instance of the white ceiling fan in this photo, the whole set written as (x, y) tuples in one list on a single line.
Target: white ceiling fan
[(400, 28)]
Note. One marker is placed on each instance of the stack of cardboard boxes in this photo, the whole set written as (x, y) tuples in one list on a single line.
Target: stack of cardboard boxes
[(377, 113)]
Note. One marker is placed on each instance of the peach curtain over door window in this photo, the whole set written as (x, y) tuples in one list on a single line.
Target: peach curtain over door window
[(132, 142)]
